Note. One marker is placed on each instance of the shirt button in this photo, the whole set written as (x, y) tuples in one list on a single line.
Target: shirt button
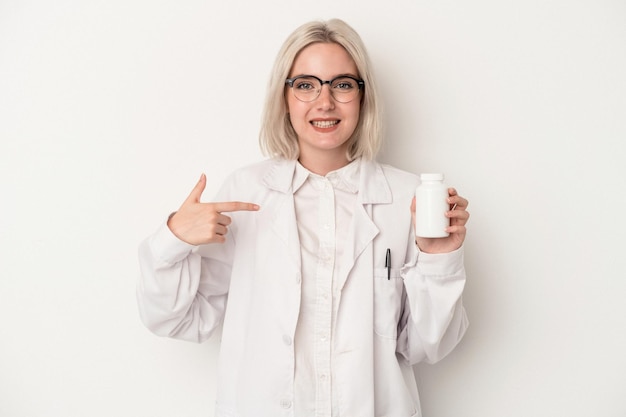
[(287, 340), (285, 403)]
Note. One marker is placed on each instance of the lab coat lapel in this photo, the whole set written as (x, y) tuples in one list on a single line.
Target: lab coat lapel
[(373, 189), (283, 217)]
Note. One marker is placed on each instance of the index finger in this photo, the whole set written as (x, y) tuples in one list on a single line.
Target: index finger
[(459, 202), (234, 206)]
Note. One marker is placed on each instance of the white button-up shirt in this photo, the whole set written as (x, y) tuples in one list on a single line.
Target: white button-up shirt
[(324, 207), (382, 319)]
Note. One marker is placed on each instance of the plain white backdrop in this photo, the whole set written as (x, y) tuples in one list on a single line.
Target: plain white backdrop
[(110, 110)]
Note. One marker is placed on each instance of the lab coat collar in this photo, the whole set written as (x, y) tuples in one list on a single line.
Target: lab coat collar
[(280, 175), (373, 186), (373, 189)]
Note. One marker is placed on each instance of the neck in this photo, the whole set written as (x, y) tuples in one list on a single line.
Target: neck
[(323, 164)]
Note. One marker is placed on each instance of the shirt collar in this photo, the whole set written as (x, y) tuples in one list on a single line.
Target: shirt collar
[(345, 178), (373, 188)]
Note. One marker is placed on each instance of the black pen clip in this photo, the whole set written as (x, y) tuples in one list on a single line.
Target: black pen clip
[(388, 263)]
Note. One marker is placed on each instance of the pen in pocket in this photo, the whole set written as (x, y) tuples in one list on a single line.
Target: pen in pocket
[(388, 263)]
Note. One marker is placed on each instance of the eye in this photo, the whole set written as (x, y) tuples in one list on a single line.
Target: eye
[(344, 84), (306, 84), (303, 85)]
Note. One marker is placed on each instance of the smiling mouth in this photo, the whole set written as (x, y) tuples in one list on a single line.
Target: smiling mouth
[(324, 124)]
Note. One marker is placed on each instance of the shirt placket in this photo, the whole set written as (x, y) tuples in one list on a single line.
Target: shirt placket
[(323, 311)]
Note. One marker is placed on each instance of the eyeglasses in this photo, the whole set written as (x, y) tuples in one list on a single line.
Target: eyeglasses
[(344, 88)]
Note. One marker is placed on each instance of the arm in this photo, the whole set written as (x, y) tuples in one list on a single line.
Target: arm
[(434, 320), (181, 294)]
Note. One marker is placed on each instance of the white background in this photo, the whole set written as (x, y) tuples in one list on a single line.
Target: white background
[(110, 110)]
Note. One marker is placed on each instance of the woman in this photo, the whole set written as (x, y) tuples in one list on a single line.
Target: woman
[(325, 295)]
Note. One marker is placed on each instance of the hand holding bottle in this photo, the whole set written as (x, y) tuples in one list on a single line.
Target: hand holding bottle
[(456, 231)]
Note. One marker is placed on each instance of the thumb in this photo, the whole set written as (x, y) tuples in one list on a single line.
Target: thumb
[(196, 193)]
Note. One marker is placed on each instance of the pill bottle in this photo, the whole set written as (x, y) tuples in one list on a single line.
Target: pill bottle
[(431, 206)]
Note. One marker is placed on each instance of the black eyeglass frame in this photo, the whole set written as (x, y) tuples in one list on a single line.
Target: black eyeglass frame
[(360, 83)]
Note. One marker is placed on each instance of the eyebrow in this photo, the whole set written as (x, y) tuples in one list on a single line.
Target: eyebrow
[(332, 78)]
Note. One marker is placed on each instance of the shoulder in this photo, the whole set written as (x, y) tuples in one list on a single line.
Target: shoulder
[(383, 184), (269, 173), (396, 177), (394, 173)]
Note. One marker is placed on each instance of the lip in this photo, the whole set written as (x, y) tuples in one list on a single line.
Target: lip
[(325, 123)]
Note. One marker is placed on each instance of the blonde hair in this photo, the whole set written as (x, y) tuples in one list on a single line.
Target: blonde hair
[(277, 137)]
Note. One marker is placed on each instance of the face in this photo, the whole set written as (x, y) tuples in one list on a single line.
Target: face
[(324, 125)]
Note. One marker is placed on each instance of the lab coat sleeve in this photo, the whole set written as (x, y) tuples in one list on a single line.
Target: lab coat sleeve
[(181, 294), (434, 319)]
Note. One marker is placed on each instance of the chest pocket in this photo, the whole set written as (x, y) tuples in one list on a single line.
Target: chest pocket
[(387, 302)]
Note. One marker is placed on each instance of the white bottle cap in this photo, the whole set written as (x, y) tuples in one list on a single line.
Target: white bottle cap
[(431, 177)]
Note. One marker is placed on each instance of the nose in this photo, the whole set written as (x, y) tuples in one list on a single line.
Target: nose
[(326, 100)]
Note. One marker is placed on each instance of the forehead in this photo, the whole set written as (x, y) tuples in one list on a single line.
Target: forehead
[(324, 60)]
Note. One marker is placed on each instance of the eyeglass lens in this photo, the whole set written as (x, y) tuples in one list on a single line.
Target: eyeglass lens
[(343, 89)]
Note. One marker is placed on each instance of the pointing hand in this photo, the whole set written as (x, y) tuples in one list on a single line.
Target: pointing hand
[(199, 223)]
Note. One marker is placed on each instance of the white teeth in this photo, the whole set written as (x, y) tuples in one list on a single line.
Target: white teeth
[(324, 124)]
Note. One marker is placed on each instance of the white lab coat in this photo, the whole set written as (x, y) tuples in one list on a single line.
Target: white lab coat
[(251, 284)]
